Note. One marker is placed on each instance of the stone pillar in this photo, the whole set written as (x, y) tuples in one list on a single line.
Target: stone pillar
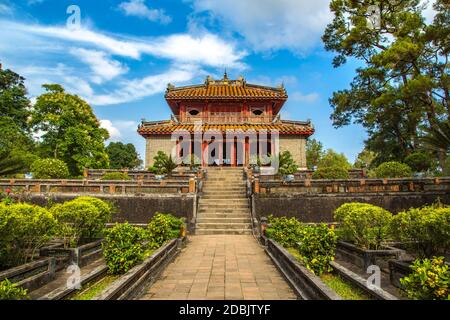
[(192, 185)]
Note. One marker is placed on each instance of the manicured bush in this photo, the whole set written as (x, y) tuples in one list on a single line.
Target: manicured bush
[(286, 232), (429, 280), (419, 161), (425, 230), (105, 208), (316, 246), (163, 164), (365, 225), (287, 164), (124, 247), (331, 173), (24, 228), (116, 176), (81, 218), (163, 227), (392, 170), (11, 291), (49, 169)]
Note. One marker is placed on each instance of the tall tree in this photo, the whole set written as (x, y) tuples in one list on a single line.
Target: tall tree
[(314, 152), (13, 98), (402, 90), (333, 159), (71, 131), (123, 156), (365, 159)]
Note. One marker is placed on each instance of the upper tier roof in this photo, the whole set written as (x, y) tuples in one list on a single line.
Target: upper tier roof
[(225, 89)]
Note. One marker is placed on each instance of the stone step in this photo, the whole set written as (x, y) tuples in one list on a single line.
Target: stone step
[(243, 219), (223, 231), (224, 225), (222, 214), (228, 210), (220, 196), (223, 191)]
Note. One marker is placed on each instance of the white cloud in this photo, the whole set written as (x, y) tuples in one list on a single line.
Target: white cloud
[(205, 49), (272, 24), (138, 8), (103, 68), (5, 9), (114, 133), (307, 98)]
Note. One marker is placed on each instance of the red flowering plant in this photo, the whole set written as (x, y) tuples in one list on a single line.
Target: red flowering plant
[(6, 197)]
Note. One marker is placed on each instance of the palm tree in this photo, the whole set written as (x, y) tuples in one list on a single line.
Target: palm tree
[(438, 139)]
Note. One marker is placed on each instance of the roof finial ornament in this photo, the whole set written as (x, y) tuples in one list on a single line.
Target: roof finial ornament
[(170, 87), (225, 75)]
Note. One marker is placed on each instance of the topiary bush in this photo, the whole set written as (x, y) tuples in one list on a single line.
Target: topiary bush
[(105, 208), (365, 225), (11, 291), (426, 231), (392, 170), (49, 169), (80, 219), (116, 176), (163, 164), (316, 246), (285, 231), (163, 227), (287, 165), (24, 228), (331, 173), (429, 280), (124, 247), (419, 161)]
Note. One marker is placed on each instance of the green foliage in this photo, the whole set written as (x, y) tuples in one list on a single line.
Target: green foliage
[(11, 291), (16, 148), (425, 230), (163, 164), (392, 169), (429, 280), (81, 218), (24, 228), (314, 152), (163, 227), (119, 176), (123, 248), (419, 161), (365, 225), (365, 159), (334, 159), (287, 164), (316, 245), (49, 169), (399, 91), (285, 231), (331, 173), (123, 156), (72, 132)]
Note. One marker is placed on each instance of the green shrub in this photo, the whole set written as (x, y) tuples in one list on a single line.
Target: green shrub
[(287, 164), (24, 228), (105, 208), (429, 280), (419, 161), (285, 231), (163, 164), (392, 170), (163, 227), (124, 247), (316, 246), (49, 169), (116, 176), (331, 173), (81, 218), (363, 224), (425, 230), (11, 291)]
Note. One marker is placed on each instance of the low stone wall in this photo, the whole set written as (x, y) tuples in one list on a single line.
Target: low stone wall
[(320, 207), (132, 208)]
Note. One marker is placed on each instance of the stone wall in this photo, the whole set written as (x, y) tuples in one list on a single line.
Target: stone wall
[(320, 207), (134, 209), (296, 145), (157, 143)]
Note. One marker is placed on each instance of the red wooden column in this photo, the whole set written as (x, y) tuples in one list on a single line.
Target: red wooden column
[(233, 154), (204, 151), (247, 152)]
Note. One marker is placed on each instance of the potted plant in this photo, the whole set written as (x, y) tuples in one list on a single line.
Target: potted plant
[(287, 166), (163, 165), (255, 163)]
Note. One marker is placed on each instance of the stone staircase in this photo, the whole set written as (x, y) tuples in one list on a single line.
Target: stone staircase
[(224, 207)]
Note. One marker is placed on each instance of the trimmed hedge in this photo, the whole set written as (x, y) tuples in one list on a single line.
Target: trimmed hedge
[(331, 173), (49, 169), (392, 170), (116, 176)]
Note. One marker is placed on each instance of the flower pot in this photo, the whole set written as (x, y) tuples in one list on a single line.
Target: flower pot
[(288, 178)]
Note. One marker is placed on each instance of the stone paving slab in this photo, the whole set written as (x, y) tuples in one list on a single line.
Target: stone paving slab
[(221, 267)]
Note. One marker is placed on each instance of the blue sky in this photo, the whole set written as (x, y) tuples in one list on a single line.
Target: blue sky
[(125, 52)]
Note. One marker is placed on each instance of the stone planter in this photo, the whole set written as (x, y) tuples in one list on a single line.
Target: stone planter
[(398, 269), (365, 258)]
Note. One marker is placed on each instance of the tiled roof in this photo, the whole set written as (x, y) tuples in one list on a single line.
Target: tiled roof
[(225, 89), (168, 127)]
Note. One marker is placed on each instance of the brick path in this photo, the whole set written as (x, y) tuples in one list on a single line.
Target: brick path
[(230, 267)]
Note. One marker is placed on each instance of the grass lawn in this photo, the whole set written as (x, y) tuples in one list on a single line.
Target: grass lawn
[(344, 289)]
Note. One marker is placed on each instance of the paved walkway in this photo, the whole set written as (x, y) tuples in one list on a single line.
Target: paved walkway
[(230, 267)]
